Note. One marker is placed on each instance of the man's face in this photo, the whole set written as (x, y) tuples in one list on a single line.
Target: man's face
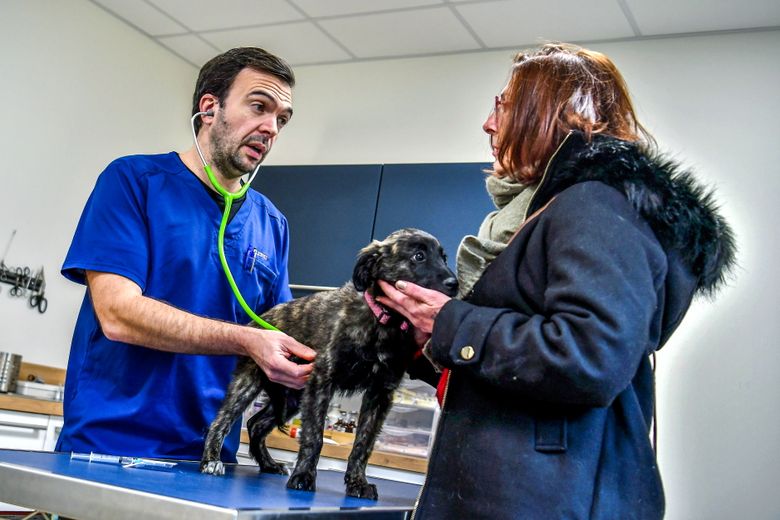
[(248, 121)]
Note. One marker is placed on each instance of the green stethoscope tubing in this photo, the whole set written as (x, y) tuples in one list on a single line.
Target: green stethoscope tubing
[(229, 198)]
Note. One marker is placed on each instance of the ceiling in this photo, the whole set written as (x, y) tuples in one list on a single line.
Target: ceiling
[(310, 32)]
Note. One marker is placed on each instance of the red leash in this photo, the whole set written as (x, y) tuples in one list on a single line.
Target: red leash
[(442, 386)]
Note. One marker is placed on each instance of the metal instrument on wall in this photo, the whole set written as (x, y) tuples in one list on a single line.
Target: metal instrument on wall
[(9, 371), (23, 282)]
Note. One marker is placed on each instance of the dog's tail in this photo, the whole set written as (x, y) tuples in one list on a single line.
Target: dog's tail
[(285, 404)]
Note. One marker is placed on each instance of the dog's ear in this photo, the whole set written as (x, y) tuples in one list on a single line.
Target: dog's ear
[(363, 276)]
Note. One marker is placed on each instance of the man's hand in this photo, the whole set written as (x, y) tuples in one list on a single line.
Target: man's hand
[(126, 315), (418, 304), (272, 353)]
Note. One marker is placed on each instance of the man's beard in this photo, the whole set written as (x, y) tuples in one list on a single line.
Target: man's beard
[(225, 155)]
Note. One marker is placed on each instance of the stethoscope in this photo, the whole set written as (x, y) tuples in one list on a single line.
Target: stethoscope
[(229, 198)]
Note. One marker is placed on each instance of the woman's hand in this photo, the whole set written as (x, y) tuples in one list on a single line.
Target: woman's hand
[(418, 304)]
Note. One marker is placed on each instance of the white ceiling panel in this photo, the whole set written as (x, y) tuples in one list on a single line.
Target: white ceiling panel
[(308, 32), (414, 32), (674, 16), (508, 23), (144, 16), (190, 47), (318, 8), (300, 42), (203, 15)]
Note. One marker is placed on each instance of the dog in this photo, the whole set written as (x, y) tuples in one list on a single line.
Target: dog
[(361, 346)]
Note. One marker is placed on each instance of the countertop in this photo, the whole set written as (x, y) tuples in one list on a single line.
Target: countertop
[(21, 403), (276, 439)]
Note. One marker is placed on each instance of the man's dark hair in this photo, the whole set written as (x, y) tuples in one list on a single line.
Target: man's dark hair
[(217, 75)]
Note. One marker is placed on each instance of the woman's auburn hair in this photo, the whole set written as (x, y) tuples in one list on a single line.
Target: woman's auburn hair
[(556, 89)]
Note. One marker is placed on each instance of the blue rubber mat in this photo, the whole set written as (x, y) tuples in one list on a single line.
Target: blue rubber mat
[(241, 488)]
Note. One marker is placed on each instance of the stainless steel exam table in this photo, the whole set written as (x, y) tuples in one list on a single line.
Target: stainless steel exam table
[(89, 490)]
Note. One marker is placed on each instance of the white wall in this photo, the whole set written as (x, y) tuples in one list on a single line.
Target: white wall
[(713, 101), (79, 89)]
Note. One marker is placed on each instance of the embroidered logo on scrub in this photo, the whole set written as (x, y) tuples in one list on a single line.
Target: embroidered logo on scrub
[(252, 254)]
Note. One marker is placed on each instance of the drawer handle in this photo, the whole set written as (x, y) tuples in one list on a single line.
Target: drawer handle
[(22, 425)]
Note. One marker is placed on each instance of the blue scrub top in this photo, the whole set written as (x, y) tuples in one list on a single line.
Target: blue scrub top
[(149, 219)]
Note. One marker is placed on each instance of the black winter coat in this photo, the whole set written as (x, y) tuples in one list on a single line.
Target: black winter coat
[(549, 402)]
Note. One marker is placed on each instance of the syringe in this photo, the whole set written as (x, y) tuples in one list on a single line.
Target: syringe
[(124, 461)]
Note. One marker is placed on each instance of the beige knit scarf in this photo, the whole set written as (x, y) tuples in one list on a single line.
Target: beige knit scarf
[(476, 252)]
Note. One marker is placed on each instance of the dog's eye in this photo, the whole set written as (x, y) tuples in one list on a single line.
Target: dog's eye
[(419, 256)]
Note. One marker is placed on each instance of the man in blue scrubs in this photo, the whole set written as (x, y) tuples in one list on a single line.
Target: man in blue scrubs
[(159, 329)]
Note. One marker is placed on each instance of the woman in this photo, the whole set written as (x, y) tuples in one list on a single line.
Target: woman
[(584, 272)]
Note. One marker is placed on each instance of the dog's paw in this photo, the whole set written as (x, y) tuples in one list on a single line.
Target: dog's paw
[(362, 490), (302, 482), (274, 468), (212, 467)]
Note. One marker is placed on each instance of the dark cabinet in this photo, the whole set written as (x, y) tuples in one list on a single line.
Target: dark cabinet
[(330, 210), (336, 210), (448, 201)]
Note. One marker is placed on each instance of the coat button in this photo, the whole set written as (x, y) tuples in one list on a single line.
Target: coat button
[(467, 352)]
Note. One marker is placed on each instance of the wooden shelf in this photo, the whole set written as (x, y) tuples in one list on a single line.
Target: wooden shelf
[(20, 403), (281, 441), (48, 375), (33, 372)]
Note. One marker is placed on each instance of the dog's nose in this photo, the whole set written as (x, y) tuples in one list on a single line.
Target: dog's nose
[(451, 283)]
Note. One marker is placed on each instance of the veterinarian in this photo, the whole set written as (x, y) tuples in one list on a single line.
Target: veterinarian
[(584, 270), (159, 328)]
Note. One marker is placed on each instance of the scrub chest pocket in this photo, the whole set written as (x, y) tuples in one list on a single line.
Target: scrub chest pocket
[(255, 271), (256, 278)]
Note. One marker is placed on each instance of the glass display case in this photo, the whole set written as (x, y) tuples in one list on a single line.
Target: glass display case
[(408, 428), (411, 422)]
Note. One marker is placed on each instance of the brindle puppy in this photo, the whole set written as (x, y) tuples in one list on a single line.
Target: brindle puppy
[(360, 347)]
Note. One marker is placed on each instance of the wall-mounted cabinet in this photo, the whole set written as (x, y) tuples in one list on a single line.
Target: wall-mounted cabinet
[(447, 200), (336, 210), (330, 210)]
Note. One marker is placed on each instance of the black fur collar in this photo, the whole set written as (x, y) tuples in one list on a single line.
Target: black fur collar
[(681, 211)]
